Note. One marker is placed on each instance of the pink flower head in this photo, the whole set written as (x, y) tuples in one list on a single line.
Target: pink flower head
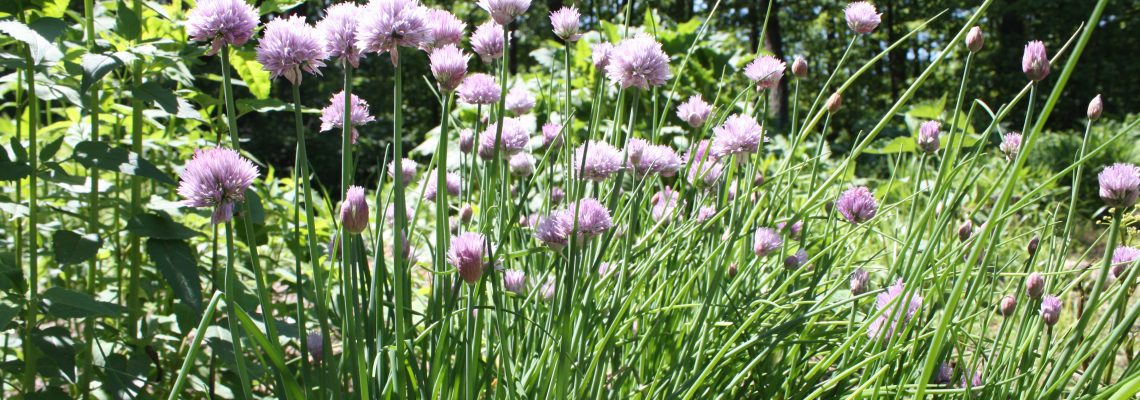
[(702, 151), (1051, 310), (600, 54), (740, 134), (896, 316), (504, 11), (639, 62), (655, 159), (705, 213), (548, 289), (554, 230), (1122, 257), (332, 116), (765, 72), (338, 32), (596, 161), (449, 66), (552, 134), (800, 67), (796, 260), (521, 164), (519, 100), (445, 29), (694, 111), (289, 46), (466, 140), (664, 204), (217, 178), (431, 184), (565, 23), (487, 41), (466, 255), (1010, 145), (388, 24), (705, 174), (514, 281), (928, 136), (1034, 62), (861, 17), (221, 22), (1034, 285), (407, 167), (766, 241), (593, 217), (1120, 185), (479, 89), (975, 39), (857, 283), (354, 210), (556, 195), (514, 139), (857, 205)]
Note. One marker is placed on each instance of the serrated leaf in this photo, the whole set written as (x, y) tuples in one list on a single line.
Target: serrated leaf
[(163, 97), (251, 72), (73, 248), (159, 226), (95, 67), (42, 49), (64, 303), (100, 155), (7, 314), (49, 150), (175, 260)]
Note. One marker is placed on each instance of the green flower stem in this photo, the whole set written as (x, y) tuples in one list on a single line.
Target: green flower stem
[(93, 105), (195, 345), (400, 267), (231, 312), (30, 351)]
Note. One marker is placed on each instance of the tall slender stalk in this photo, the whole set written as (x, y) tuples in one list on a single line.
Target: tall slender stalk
[(134, 251), (400, 268), (30, 351), (93, 105)]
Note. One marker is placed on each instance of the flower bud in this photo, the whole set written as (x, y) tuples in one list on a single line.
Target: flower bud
[(796, 260), (1031, 248), (732, 270), (975, 40), (858, 281), (466, 141), (965, 231), (1096, 107), (1034, 285), (1051, 310), (466, 213), (354, 210), (834, 102), (316, 345), (1008, 305), (799, 67)]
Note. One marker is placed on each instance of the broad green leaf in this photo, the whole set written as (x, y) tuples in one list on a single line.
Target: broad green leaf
[(11, 170), (58, 344), (64, 303), (277, 6), (159, 226), (153, 91), (73, 248), (251, 72), (175, 260), (49, 150), (100, 155), (292, 389), (42, 49), (7, 314), (95, 67), (127, 23)]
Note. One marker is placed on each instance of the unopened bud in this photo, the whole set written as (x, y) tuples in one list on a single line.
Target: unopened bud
[(975, 39), (1034, 285), (1096, 107), (834, 102), (1008, 305), (800, 67)]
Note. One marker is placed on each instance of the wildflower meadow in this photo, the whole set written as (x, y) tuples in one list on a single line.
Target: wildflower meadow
[(242, 199)]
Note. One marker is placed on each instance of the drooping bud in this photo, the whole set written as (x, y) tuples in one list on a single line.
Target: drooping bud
[(975, 40)]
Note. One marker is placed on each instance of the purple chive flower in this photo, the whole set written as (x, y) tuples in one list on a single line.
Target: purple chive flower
[(800, 67), (565, 23), (332, 116), (514, 281), (548, 289), (390, 214), (504, 11), (945, 374), (1096, 107), (1120, 185), (705, 174), (596, 161), (487, 41), (556, 195), (600, 55), (858, 282), (1051, 309), (593, 218), (407, 167), (1034, 285), (890, 318), (975, 39), (289, 46), (638, 62), (354, 210), (604, 268), (766, 241), (554, 230), (739, 135), (521, 164), (431, 184), (551, 134), (664, 204), (928, 136), (1034, 62), (316, 345), (765, 72), (217, 178), (479, 89), (701, 152), (857, 205), (1010, 144), (466, 255), (449, 66), (445, 29), (974, 382), (1122, 257), (796, 260), (861, 17), (793, 230), (694, 111), (338, 31), (657, 159), (514, 139), (221, 22), (1008, 305), (705, 213), (466, 140), (519, 100), (388, 24)]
